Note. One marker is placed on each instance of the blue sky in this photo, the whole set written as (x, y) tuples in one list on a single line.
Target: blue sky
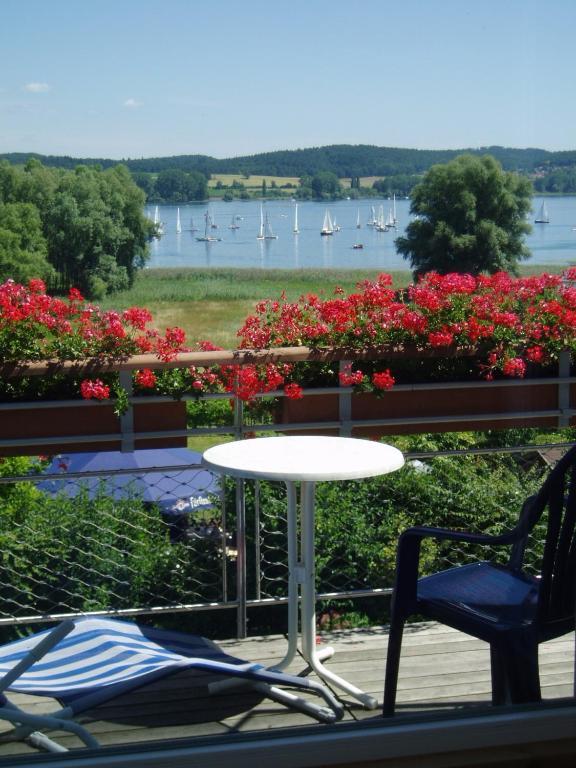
[(142, 78)]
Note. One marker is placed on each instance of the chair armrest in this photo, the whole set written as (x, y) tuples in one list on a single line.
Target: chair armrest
[(445, 534)]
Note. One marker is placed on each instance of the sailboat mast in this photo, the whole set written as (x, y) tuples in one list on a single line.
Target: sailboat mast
[(296, 230)]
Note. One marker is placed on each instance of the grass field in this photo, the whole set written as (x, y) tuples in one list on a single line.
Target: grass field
[(252, 182), (212, 304), (255, 182)]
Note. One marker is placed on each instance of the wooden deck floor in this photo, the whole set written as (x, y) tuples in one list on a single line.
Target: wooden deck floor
[(441, 670)]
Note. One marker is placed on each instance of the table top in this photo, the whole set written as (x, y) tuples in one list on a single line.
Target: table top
[(308, 458)]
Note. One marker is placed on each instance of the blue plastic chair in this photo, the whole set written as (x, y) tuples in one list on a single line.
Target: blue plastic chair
[(511, 610), (85, 662)]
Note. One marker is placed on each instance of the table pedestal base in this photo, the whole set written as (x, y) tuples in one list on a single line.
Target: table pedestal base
[(301, 584)]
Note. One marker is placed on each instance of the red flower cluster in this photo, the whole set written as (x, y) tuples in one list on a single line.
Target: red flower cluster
[(35, 326), (506, 322)]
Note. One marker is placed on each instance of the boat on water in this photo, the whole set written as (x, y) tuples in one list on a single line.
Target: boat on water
[(296, 230), (192, 227), (542, 217), (233, 224), (327, 226), (178, 224), (358, 225), (358, 246), (265, 232), (380, 224), (158, 224), (372, 221), (335, 225), (390, 222), (208, 238)]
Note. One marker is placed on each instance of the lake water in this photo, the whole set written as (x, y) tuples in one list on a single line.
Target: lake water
[(553, 243)]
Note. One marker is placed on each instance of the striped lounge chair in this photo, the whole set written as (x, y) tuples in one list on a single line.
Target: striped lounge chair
[(87, 661)]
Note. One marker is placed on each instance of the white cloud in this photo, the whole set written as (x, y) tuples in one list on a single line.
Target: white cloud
[(37, 87), (132, 103)]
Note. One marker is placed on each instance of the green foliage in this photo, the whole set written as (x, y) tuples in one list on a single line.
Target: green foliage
[(23, 247), (344, 160), (470, 217), (83, 554), (176, 186), (82, 228), (325, 184)]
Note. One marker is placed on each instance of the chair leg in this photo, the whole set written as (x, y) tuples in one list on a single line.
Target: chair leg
[(500, 692), (524, 674), (515, 672), (392, 666)]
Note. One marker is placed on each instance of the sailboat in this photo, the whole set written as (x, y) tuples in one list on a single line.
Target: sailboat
[(296, 230), (542, 217), (381, 225), (207, 227), (335, 225), (358, 225), (268, 234), (260, 235), (192, 227), (394, 209), (390, 223), (327, 227), (158, 224), (372, 221), (178, 225), (233, 224)]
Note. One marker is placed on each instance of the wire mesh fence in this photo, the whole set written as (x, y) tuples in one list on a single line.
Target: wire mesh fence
[(132, 541)]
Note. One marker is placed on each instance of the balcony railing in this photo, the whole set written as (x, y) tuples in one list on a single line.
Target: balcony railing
[(239, 567)]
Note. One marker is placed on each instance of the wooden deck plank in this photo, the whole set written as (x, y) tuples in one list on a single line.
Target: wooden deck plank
[(441, 670)]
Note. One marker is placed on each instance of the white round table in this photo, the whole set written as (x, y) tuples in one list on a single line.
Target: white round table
[(305, 460)]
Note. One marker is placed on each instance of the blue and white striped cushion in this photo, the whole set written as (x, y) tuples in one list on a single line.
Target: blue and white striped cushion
[(102, 652)]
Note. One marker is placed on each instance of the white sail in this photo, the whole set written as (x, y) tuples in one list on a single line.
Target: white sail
[(158, 223), (542, 217), (327, 226), (394, 209), (233, 224), (268, 234), (260, 235), (296, 230), (358, 225), (178, 225)]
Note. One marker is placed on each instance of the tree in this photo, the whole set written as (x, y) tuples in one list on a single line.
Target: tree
[(23, 249), (326, 184), (471, 217)]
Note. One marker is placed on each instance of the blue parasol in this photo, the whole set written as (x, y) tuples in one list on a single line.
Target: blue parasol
[(176, 491)]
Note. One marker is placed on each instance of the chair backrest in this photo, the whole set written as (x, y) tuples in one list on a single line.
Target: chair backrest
[(557, 498)]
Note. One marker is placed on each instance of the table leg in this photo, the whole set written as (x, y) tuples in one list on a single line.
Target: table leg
[(292, 576), (307, 576)]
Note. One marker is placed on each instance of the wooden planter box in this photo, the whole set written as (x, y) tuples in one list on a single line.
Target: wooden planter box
[(36, 429), (411, 409)]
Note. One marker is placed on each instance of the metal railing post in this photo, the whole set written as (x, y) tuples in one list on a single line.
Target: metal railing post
[(564, 360), (345, 404), (127, 418), (241, 618)]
